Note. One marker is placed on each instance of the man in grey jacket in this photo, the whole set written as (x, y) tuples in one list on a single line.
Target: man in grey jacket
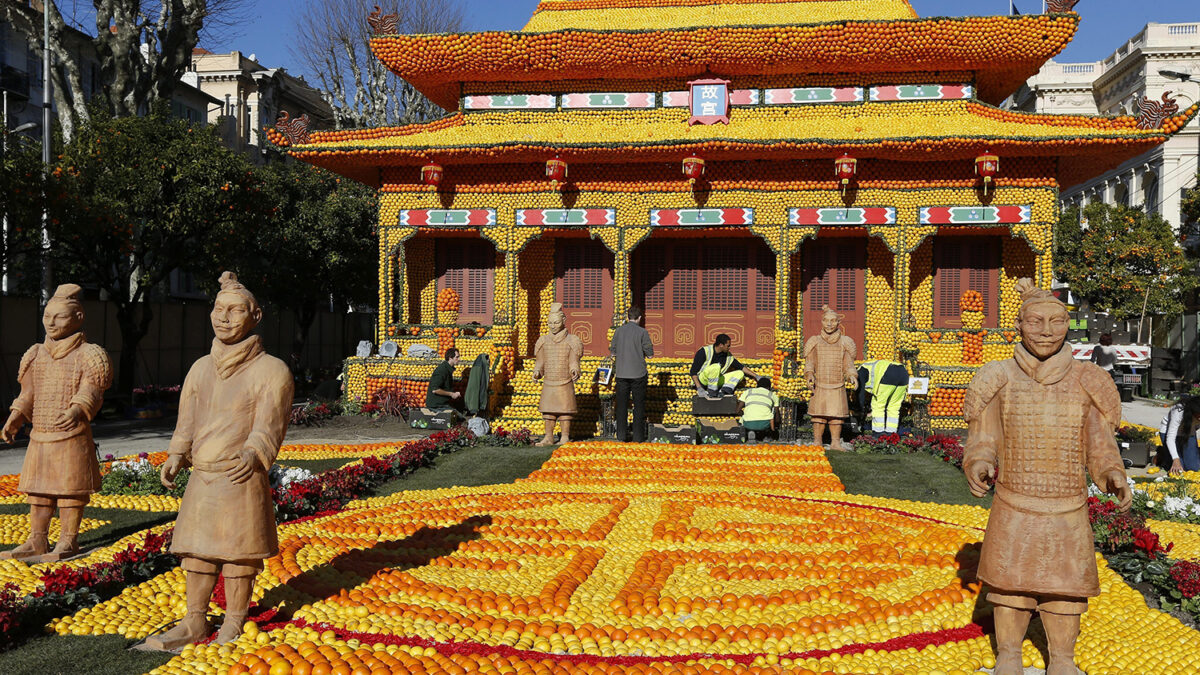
[(630, 347)]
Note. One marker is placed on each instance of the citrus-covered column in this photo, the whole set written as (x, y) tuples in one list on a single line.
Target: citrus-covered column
[(621, 240), (393, 295)]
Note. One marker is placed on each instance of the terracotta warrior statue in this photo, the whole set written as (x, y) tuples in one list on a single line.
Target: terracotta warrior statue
[(1037, 422), (557, 356), (233, 413), (62, 386), (828, 367)]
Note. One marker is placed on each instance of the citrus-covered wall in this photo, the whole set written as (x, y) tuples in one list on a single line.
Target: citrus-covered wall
[(899, 276)]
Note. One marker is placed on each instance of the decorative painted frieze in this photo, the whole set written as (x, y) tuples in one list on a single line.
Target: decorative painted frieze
[(566, 217), (975, 215), (797, 95), (681, 99), (686, 217), (511, 102), (610, 100), (451, 217), (881, 215), (922, 92)]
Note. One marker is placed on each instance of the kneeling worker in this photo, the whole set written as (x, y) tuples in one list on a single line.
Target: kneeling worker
[(440, 393), (758, 406), (886, 382), (714, 370)]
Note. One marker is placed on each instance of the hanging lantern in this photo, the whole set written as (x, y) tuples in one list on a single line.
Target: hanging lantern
[(693, 168), (431, 175), (987, 165), (845, 167), (556, 171)]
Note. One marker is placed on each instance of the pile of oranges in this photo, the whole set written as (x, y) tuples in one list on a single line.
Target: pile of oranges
[(971, 301), (448, 301), (972, 347), (947, 402)]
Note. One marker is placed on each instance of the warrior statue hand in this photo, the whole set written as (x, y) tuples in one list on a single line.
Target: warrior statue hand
[(1117, 485), (170, 469), (978, 473), (15, 421), (242, 471), (70, 418)]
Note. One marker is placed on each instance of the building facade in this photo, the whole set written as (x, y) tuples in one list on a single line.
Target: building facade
[(731, 170), (251, 96), (1157, 179)]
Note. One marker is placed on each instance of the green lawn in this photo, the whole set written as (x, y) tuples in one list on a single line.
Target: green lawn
[(468, 467), (910, 476), (74, 655)]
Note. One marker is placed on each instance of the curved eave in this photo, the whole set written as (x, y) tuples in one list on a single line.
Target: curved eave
[(1085, 147), (1003, 52)]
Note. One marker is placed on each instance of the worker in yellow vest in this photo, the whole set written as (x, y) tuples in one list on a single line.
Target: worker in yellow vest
[(757, 406), (714, 370), (886, 382)]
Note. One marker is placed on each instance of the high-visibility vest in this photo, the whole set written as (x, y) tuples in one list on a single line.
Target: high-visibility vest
[(709, 353), (875, 371), (759, 396)]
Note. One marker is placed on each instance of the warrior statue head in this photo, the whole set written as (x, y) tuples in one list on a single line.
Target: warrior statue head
[(63, 316), (831, 321), (235, 313), (1042, 320), (556, 321)]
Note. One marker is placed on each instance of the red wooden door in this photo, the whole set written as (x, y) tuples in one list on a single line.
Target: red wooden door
[(468, 266), (963, 264), (834, 274), (585, 289), (692, 291)]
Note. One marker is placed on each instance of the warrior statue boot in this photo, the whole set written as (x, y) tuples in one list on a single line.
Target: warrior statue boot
[(548, 439), (566, 431), (194, 626), (37, 544), (1062, 630), (1011, 624), (835, 435), (818, 433), (69, 518), (237, 603)]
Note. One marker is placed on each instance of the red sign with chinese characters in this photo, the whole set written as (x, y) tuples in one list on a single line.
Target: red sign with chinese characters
[(709, 102)]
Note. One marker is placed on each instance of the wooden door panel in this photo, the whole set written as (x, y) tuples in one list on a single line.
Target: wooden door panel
[(834, 274), (963, 264), (585, 288)]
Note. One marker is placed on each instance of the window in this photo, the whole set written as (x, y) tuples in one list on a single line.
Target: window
[(834, 274), (467, 266), (725, 283), (963, 264)]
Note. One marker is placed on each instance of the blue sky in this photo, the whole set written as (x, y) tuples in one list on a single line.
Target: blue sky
[(1106, 23)]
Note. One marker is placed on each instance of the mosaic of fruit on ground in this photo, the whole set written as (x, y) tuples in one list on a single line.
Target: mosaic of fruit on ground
[(634, 558)]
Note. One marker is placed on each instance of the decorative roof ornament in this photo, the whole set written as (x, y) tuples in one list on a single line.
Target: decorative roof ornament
[(295, 130), (383, 24), (1153, 113), (1061, 6)]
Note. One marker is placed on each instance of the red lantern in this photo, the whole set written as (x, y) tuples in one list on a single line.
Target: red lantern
[(987, 165), (556, 171), (431, 175), (845, 167), (693, 168)]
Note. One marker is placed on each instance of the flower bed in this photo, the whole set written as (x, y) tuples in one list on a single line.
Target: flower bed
[(947, 448)]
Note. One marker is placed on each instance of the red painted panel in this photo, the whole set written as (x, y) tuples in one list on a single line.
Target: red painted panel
[(585, 288), (963, 264), (693, 290), (834, 274), (468, 266)]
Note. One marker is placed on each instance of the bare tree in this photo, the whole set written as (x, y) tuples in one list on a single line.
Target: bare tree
[(142, 47), (333, 45)]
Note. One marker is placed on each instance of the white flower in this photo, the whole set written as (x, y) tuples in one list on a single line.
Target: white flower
[(1150, 504)]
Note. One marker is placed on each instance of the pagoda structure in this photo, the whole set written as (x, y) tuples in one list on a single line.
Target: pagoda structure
[(730, 167)]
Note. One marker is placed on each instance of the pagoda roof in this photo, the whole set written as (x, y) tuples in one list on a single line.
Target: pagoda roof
[(997, 52), (909, 131), (554, 15)]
